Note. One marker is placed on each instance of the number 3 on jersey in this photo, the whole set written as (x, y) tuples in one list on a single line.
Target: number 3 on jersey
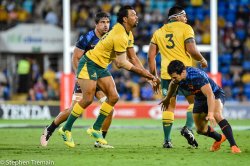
[(170, 41)]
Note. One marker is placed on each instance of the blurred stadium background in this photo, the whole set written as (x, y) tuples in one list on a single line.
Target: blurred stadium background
[(35, 54), (31, 54)]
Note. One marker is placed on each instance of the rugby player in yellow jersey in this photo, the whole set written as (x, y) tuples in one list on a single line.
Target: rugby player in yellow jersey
[(175, 41), (85, 43), (92, 71)]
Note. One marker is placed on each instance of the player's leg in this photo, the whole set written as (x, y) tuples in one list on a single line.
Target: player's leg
[(87, 77), (88, 90), (107, 122), (77, 96), (225, 126), (199, 114), (167, 123), (203, 128), (48, 131), (186, 131), (167, 116), (61, 117), (189, 114), (107, 85)]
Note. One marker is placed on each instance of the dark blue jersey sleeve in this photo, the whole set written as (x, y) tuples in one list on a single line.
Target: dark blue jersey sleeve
[(87, 41), (82, 43)]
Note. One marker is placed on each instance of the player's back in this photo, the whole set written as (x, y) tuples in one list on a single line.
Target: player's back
[(197, 78), (170, 39), (117, 40), (87, 41)]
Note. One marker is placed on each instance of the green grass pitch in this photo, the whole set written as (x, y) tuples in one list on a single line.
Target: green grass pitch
[(136, 142)]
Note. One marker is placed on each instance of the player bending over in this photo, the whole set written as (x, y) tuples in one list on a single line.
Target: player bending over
[(208, 104)]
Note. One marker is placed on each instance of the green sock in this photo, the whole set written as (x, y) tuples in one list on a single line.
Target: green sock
[(69, 123), (189, 120), (99, 121), (167, 123), (167, 130), (104, 112)]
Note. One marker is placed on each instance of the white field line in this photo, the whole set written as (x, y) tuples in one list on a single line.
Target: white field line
[(236, 127)]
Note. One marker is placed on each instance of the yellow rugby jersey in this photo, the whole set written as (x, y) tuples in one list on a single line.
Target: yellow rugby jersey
[(117, 40), (170, 41)]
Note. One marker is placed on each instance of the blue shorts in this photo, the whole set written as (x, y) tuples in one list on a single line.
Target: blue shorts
[(200, 106)]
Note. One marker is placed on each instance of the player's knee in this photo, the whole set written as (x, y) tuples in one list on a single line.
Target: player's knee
[(68, 111), (85, 102), (113, 99), (218, 117), (88, 102)]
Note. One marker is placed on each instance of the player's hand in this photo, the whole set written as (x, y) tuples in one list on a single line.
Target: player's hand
[(164, 103), (149, 76), (204, 63), (156, 82), (210, 118)]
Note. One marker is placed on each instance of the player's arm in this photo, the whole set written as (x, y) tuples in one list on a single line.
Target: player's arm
[(166, 100), (77, 54), (191, 48), (152, 52), (132, 57), (207, 91), (122, 62)]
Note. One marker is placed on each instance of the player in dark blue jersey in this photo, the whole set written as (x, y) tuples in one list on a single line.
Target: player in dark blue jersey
[(84, 44), (208, 104)]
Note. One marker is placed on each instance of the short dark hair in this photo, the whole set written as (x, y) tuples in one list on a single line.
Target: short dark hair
[(123, 12), (175, 10), (101, 15), (176, 66)]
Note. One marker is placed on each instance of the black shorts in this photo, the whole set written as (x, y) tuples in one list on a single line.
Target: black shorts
[(200, 106)]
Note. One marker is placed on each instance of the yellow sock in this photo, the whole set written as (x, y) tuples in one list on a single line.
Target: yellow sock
[(105, 109), (77, 110), (190, 108), (167, 122), (167, 117), (104, 112)]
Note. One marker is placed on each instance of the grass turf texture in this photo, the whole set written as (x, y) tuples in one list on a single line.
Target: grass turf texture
[(136, 142)]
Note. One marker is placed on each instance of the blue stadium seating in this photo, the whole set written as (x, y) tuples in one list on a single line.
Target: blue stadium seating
[(240, 34), (225, 59), (247, 90), (246, 65)]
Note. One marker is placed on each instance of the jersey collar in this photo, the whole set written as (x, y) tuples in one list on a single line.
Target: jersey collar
[(95, 34), (170, 21)]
